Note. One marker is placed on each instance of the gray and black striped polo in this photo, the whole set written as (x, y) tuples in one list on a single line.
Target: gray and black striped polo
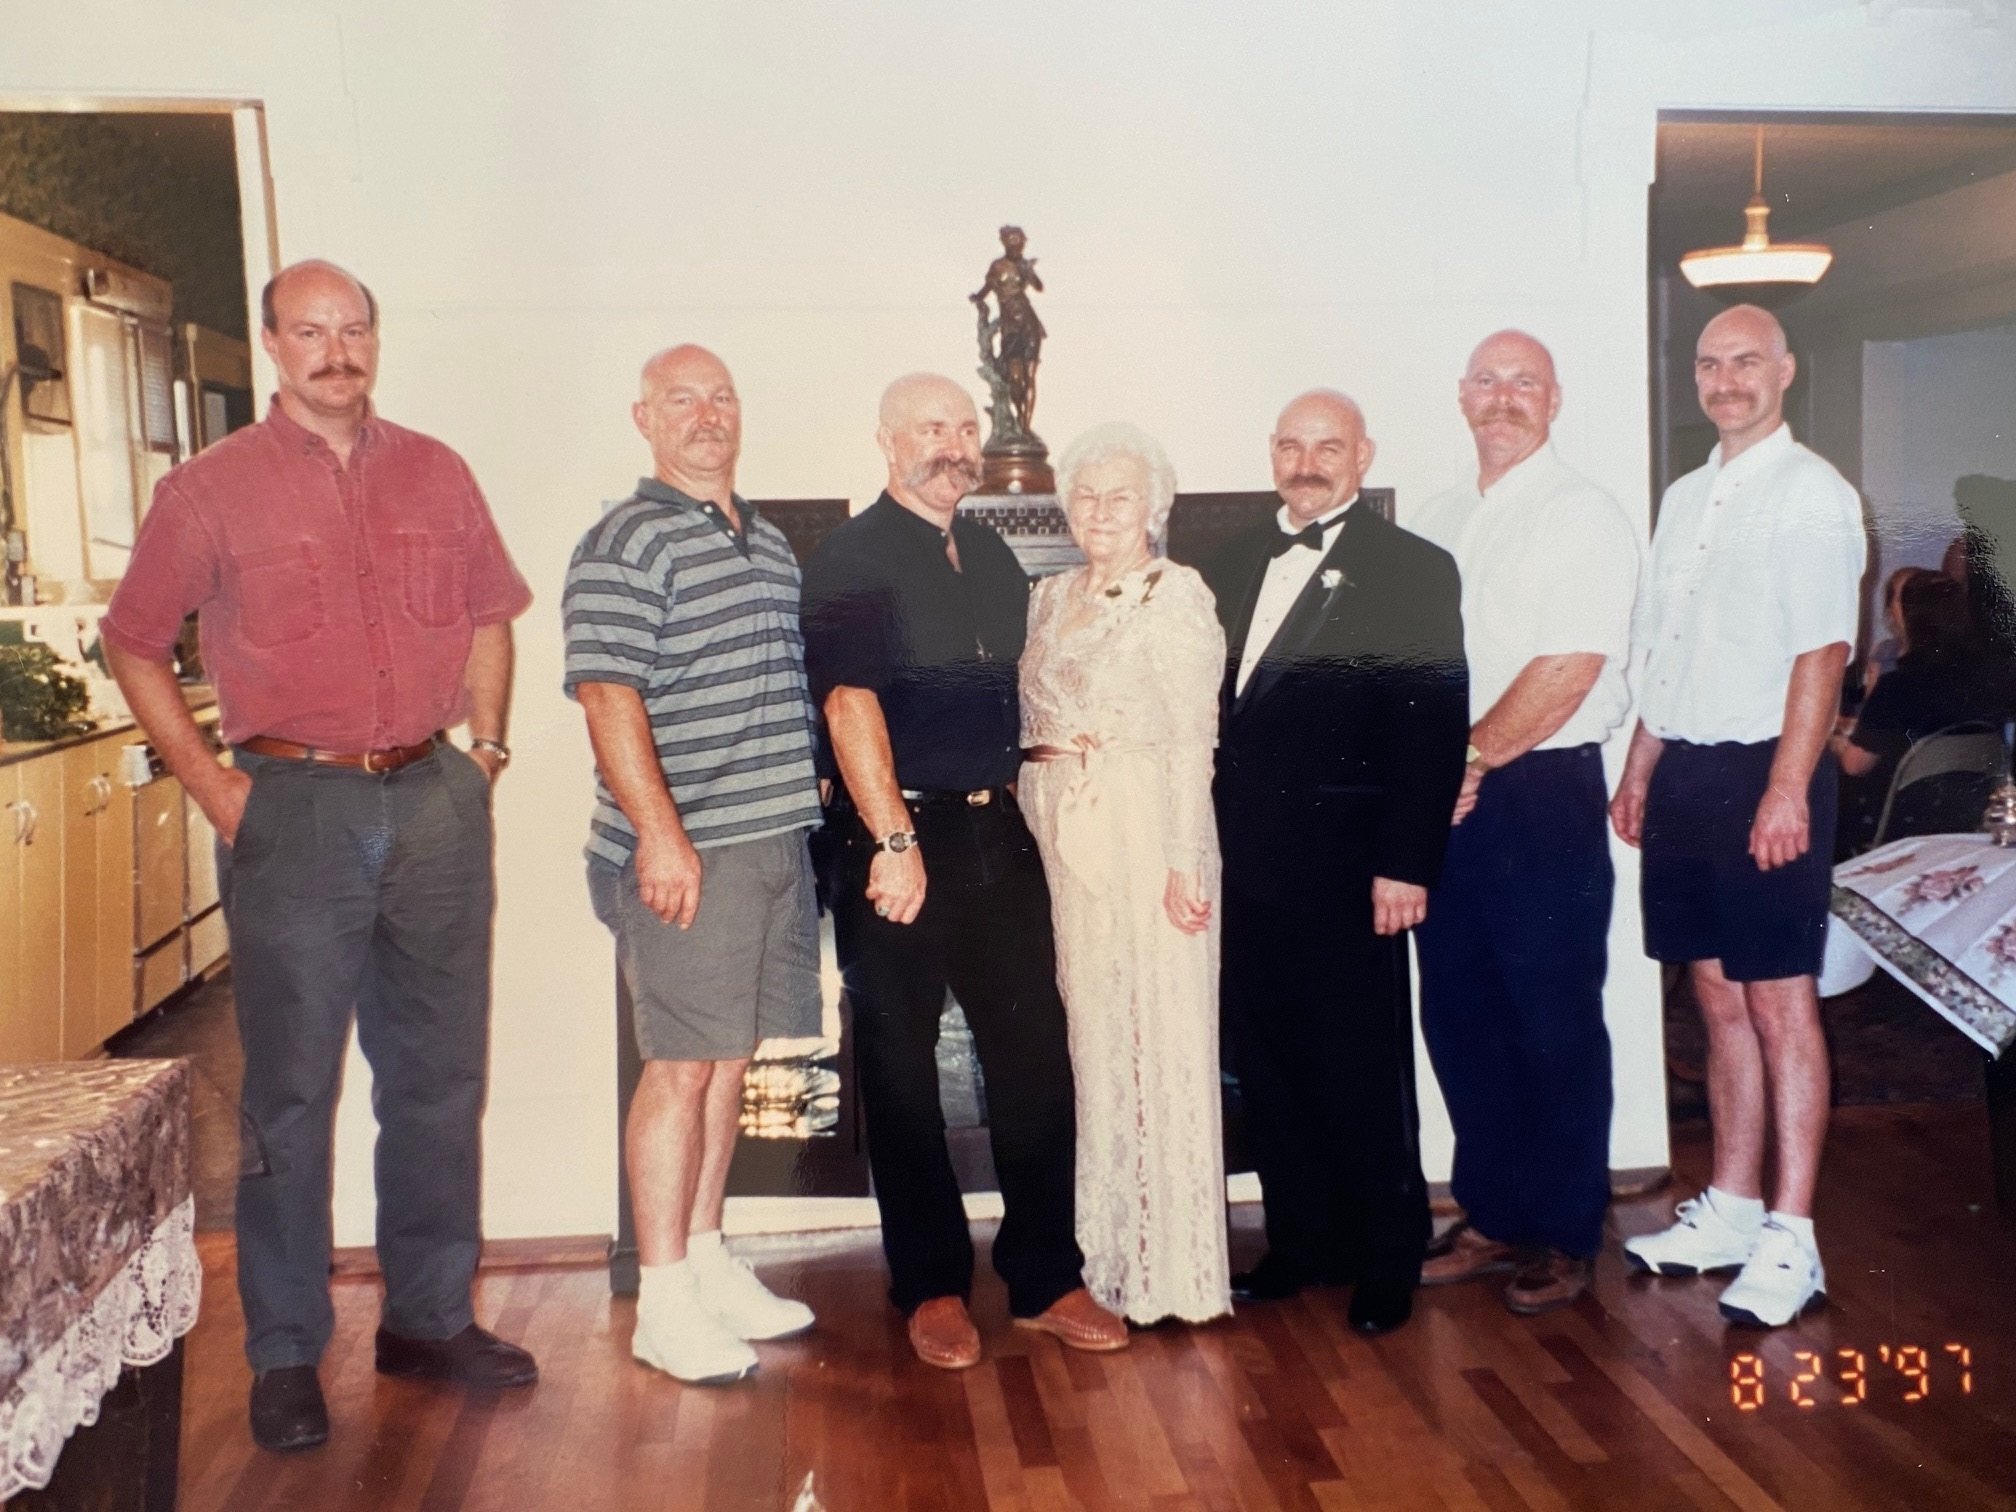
[(663, 596)]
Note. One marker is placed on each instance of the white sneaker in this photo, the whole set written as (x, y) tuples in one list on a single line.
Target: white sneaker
[(743, 1305), (1782, 1280), (1701, 1239), (680, 1335)]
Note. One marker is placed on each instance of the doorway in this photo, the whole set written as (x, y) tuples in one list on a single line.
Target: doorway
[(130, 234)]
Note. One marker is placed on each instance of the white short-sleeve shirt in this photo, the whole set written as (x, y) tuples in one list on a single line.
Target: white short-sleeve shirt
[(1550, 568), (1752, 565)]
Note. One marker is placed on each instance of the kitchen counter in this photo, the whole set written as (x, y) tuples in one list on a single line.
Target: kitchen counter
[(198, 696)]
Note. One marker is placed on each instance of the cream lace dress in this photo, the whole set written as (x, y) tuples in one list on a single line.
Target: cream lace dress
[(1138, 670)]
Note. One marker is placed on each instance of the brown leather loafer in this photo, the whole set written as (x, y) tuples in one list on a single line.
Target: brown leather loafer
[(1075, 1319), (474, 1357), (1465, 1255), (942, 1334), (1546, 1282)]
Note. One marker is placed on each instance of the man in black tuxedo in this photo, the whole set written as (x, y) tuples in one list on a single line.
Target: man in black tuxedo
[(1345, 727)]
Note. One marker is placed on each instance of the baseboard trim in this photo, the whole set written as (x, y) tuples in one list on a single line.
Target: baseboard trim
[(747, 1216), (551, 1252)]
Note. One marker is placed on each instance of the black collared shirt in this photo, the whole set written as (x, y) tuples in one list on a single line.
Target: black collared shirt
[(885, 611)]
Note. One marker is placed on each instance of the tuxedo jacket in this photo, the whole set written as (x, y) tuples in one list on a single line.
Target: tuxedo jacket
[(1342, 758)]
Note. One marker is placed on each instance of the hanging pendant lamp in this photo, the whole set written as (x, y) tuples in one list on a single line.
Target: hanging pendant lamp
[(1759, 270)]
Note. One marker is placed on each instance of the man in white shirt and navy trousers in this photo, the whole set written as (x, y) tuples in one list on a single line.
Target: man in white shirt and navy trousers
[(1515, 946), (1743, 628)]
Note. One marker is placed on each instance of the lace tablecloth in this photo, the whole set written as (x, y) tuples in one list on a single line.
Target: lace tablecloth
[(98, 1266), (1938, 912)]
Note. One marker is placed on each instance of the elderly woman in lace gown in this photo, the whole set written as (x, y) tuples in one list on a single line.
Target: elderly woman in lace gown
[(1120, 684)]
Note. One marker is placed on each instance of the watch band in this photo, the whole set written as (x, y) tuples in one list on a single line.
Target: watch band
[(897, 841), (496, 748)]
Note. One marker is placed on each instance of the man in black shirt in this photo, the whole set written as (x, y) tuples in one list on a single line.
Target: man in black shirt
[(914, 620)]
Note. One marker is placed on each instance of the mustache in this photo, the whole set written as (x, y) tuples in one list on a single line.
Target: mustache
[(337, 370), (709, 433), (1504, 412), (1310, 480), (939, 467)]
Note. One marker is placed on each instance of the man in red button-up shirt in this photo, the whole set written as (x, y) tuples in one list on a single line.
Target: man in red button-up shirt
[(355, 600)]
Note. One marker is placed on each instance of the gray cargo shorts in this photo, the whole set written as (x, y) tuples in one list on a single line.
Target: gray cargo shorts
[(747, 969)]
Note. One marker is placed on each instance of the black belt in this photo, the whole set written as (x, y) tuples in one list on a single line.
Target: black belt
[(966, 797)]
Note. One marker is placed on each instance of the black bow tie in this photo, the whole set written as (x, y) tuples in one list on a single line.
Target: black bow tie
[(1311, 536)]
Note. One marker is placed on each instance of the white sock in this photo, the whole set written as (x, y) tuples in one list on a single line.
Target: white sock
[(1744, 1214), (703, 1246), (657, 1285), (1801, 1228)]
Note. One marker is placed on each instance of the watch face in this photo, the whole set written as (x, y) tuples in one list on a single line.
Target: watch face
[(900, 841)]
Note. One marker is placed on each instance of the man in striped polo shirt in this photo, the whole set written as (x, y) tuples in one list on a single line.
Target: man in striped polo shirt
[(683, 649)]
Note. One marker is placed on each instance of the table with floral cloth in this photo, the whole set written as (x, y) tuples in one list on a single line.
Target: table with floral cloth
[(98, 1265), (1938, 912)]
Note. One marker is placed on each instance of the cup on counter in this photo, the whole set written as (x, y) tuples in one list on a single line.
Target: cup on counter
[(136, 765)]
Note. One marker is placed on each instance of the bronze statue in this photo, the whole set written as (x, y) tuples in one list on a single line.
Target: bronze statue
[(1011, 346)]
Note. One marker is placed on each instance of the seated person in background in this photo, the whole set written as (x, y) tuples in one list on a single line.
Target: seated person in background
[(1939, 680), (1883, 655)]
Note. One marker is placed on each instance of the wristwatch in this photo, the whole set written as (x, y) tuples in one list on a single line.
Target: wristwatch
[(496, 748), (897, 841)]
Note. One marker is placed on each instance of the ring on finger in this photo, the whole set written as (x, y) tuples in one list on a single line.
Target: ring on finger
[(881, 910)]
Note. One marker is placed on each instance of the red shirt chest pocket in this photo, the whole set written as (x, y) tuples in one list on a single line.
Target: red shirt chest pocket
[(279, 592), (434, 572)]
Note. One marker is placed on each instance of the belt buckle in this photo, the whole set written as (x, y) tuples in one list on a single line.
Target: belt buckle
[(979, 798), (372, 760)]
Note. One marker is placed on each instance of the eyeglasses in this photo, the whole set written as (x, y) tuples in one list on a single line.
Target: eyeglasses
[(1119, 501)]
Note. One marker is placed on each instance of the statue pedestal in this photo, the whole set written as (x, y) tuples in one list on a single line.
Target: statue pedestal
[(1017, 467), (1032, 524)]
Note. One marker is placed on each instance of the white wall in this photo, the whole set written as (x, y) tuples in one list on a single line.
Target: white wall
[(1229, 203), (1933, 410)]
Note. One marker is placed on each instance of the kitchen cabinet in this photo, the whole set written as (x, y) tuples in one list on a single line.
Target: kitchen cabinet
[(98, 895), (31, 913), (108, 895)]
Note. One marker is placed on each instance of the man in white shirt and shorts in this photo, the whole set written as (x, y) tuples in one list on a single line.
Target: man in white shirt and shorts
[(1742, 631)]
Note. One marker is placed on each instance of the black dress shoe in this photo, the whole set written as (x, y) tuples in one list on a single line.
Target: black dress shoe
[(1272, 1280), (474, 1357), (1379, 1307), (287, 1409), (1275, 1279)]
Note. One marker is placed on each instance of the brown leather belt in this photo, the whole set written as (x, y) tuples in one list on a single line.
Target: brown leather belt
[(1052, 753), (366, 761)]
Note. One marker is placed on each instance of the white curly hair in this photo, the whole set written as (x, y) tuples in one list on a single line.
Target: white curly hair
[(1117, 438)]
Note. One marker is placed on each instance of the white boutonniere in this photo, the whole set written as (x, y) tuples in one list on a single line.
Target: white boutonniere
[(1332, 579)]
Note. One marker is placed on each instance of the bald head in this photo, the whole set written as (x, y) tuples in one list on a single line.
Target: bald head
[(1320, 453), (1327, 404), (689, 412), (915, 393), (1509, 398), (930, 437), (1742, 367), (308, 274), (1751, 324), (683, 363), (1510, 346)]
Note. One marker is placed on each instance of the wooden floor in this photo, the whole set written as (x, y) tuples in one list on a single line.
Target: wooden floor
[(1626, 1400)]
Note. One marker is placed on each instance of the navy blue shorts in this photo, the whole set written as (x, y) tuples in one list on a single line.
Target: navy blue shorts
[(1704, 897)]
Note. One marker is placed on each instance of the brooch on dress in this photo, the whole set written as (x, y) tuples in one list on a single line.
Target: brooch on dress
[(1147, 593)]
